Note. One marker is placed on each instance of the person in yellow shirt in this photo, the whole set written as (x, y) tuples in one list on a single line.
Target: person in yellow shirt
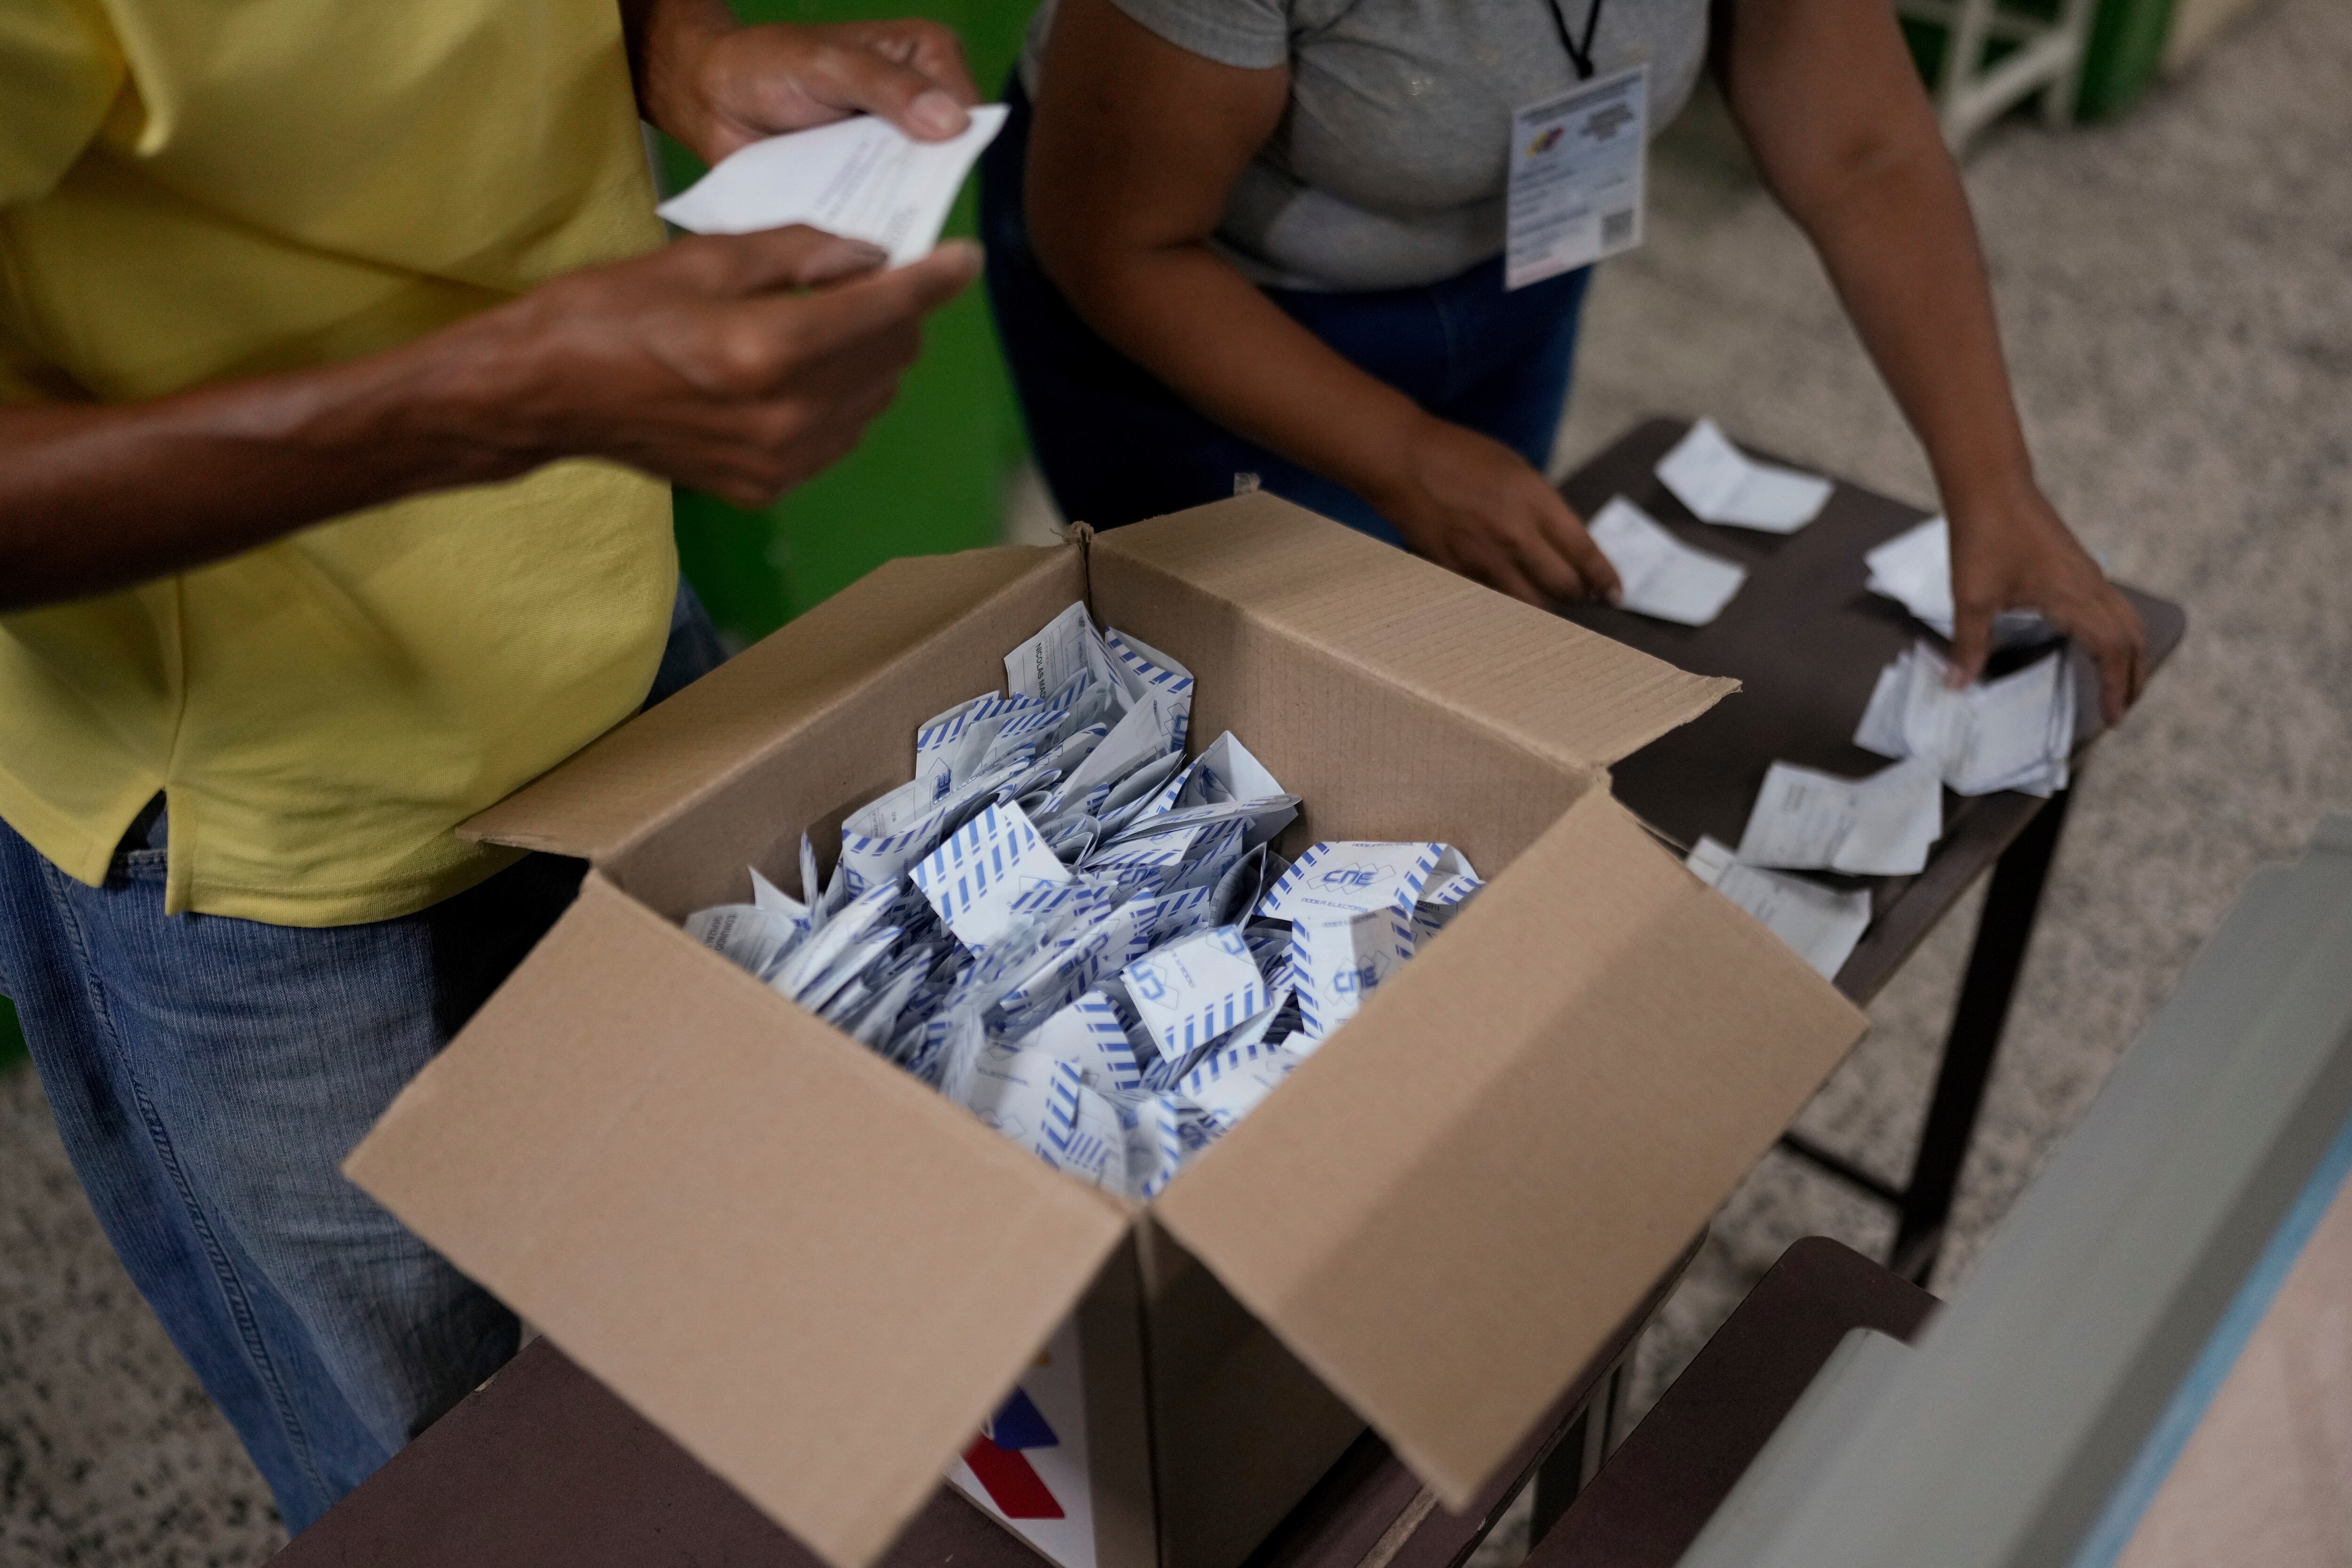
[(342, 373)]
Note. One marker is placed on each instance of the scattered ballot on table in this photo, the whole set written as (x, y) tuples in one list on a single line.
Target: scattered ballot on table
[(1721, 484), (1820, 923), (1880, 826), (1078, 934), (1914, 570), (863, 178), (1664, 577), (2014, 733)]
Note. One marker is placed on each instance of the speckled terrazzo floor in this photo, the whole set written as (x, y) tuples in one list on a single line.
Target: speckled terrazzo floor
[(2178, 293)]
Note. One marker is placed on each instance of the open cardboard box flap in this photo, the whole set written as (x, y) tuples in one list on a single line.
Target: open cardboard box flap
[(661, 764), (1468, 1204), (809, 1268)]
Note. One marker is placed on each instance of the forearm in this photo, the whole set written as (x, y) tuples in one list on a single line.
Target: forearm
[(97, 498), (1901, 249), (1843, 132), (1186, 315)]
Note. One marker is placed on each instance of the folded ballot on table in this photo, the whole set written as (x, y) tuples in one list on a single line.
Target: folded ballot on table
[(1663, 577), (2013, 732), (862, 178), (1203, 1033), (1880, 826), (1721, 484), (1820, 924)]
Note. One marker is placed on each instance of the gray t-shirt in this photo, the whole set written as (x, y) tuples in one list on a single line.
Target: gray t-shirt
[(1387, 171)]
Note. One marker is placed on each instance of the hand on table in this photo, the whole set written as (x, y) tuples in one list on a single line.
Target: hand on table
[(738, 364), (717, 87), (2015, 553), (1473, 505)]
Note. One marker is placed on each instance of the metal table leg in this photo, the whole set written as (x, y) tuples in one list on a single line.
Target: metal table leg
[(1577, 1458), (2003, 931), (1924, 1204)]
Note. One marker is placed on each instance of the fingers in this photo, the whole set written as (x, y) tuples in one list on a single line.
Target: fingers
[(1504, 573), (2120, 648), (794, 257), (1566, 531), (910, 73), (930, 49), (809, 327), (1971, 642)]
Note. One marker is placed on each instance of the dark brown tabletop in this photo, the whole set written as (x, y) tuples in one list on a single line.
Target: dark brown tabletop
[(1658, 1491), (1806, 641)]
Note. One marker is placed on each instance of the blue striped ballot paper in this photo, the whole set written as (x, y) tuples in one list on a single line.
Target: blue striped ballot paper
[(974, 877), (1192, 991), (1082, 934)]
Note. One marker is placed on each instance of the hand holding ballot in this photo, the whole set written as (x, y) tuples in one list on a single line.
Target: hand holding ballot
[(2014, 553), (864, 130), (718, 88)]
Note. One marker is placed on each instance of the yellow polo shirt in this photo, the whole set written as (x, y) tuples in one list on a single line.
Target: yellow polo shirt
[(192, 190)]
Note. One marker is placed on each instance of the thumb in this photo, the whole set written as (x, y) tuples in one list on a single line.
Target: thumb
[(854, 78)]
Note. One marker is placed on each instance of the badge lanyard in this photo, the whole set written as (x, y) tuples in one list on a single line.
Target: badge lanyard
[(1576, 174), (1578, 55)]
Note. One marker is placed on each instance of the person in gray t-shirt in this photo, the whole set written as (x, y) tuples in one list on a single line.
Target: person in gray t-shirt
[(1243, 243)]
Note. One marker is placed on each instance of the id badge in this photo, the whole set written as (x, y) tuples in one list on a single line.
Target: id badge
[(1577, 164)]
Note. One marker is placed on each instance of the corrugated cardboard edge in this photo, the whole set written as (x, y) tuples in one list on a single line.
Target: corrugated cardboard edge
[(1464, 1218), (661, 764), (1557, 689), (813, 1273)]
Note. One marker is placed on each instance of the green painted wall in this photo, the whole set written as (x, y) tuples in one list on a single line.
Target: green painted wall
[(930, 473), (2120, 58)]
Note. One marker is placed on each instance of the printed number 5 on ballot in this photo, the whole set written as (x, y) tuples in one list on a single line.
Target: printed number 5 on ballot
[(1577, 165)]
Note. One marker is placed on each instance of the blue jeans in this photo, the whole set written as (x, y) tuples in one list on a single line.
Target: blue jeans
[(1116, 446), (209, 1074)]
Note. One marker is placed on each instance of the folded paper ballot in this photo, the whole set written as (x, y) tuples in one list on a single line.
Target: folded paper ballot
[(1820, 923), (1081, 935), (2014, 733), (1663, 577), (1720, 483), (862, 177), (1880, 826), (1914, 570)]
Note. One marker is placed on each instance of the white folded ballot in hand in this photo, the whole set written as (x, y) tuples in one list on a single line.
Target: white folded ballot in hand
[(2015, 732), (1663, 576), (1820, 923), (1720, 483), (1914, 570), (1082, 937), (862, 178), (1880, 826)]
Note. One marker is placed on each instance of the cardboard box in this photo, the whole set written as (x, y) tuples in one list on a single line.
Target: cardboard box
[(821, 1276)]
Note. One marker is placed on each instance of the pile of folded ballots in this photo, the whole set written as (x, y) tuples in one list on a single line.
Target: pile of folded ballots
[(1088, 941)]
